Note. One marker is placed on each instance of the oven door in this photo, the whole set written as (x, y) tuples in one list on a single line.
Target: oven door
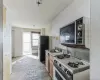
[(57, 75)]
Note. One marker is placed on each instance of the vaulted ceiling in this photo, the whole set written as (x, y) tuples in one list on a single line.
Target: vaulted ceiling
[(26, 13)]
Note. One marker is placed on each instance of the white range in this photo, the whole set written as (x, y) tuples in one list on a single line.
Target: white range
[(70, 68)]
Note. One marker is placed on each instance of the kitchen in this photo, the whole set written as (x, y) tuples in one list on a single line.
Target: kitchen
[(72, 60), (68, 57)]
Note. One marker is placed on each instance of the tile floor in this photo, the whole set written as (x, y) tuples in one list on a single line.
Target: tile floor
[(29, 68)]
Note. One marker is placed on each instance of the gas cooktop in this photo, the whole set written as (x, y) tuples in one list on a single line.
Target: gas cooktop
[(75, 64), (62, 56)]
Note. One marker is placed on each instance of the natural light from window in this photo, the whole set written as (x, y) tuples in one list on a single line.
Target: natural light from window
[(35, 39)]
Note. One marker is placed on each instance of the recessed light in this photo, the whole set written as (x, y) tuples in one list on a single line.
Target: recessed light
[(33, 25)]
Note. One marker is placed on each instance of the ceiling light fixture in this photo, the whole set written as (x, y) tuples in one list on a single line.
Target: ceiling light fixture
[(39, 2), (33, 25)]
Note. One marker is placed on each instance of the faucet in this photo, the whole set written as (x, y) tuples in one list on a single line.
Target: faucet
[(68, 52)]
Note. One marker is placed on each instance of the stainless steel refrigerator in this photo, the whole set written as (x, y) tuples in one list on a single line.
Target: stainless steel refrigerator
[(44, 45)]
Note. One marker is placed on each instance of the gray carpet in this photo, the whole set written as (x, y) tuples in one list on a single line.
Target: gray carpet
[(28, 68)]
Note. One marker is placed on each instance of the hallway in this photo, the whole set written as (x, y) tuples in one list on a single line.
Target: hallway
[(29, 68)]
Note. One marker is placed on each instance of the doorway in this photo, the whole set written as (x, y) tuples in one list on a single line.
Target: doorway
[(35, 43), (27, 50)]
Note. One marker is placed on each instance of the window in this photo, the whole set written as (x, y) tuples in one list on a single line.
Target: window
[(35, 39), (26, 43)]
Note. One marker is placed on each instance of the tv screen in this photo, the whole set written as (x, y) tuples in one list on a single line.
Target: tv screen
[(67, 34)]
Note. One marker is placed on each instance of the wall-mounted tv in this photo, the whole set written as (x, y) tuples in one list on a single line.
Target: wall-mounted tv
[(67, 34)]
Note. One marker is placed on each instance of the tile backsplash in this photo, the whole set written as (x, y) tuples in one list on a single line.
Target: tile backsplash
[(79, 53)]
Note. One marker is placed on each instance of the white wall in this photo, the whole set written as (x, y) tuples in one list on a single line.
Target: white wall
[(77, 9), (48, 29), (7, 63), (48, 33), (29, 30), (17, 42), (1, 41), (95, 40)]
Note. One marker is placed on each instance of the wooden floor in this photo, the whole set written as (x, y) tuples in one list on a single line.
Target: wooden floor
[(29, 68)]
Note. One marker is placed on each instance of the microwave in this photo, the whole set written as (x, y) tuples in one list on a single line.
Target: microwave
[(73, 34)]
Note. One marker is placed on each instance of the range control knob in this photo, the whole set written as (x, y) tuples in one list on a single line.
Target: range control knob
[(65, 70), (55, 61), (60, 65), (68, 72)]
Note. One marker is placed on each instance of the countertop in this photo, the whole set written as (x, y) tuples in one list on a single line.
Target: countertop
[(65, 61), (81, 68), (54, 53)]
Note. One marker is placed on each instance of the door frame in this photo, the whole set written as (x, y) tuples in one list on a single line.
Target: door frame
[(39, 42)]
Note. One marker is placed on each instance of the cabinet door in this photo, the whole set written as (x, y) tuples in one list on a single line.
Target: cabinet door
[(51, 68), (51, 58), (46, 63)]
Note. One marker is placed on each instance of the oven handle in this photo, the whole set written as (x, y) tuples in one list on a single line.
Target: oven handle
[(59, 74), (66, 76)]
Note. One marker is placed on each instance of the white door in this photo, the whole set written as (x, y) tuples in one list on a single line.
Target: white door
[(13, 41), (27, 43)]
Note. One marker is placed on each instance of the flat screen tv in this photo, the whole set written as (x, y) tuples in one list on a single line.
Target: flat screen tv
[(67, 34)]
